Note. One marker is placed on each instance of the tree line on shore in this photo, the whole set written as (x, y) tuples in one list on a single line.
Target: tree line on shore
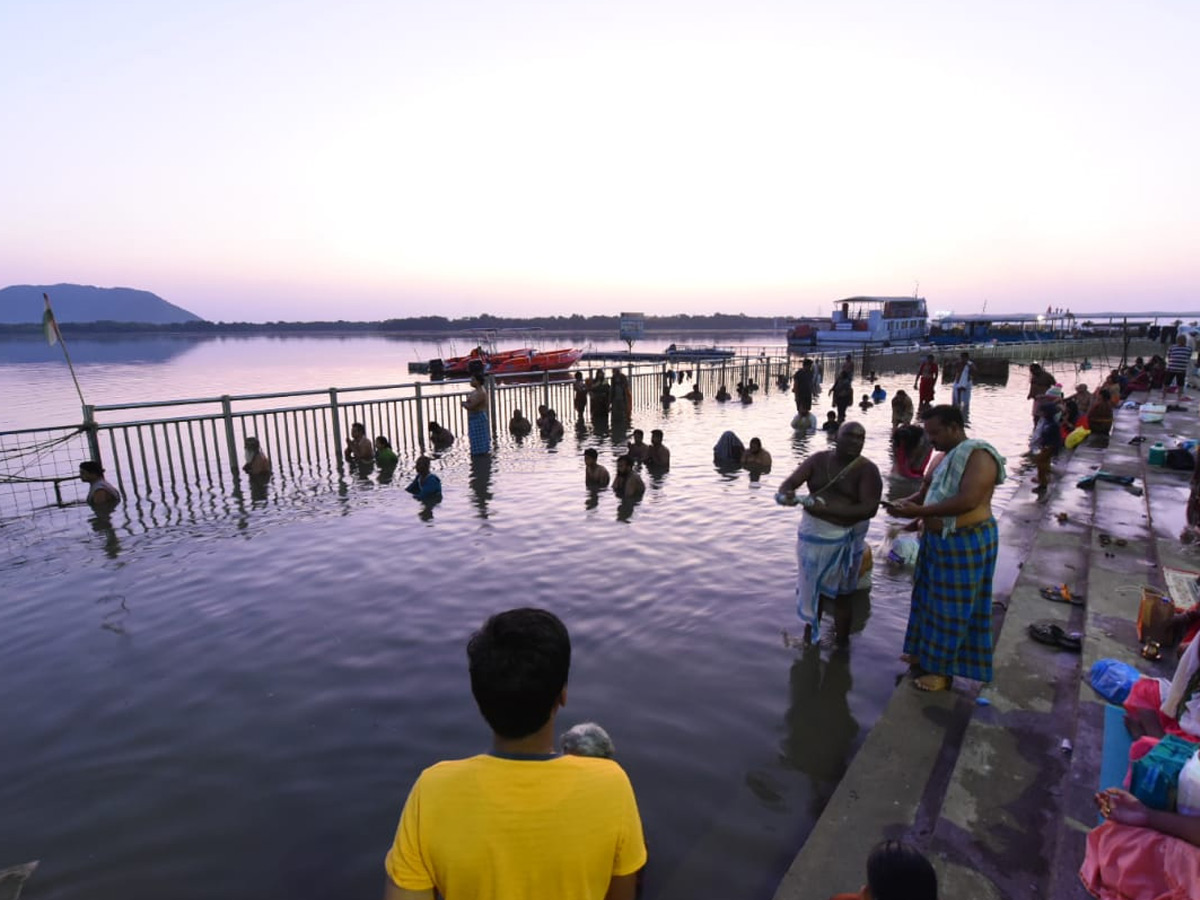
[(420, 325)]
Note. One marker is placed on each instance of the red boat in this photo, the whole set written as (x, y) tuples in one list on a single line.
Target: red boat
[(507, 362), (552, 360), (461, 365), (535, 361)]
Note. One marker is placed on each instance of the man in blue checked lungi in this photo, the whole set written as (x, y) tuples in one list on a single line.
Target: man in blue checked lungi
[(478, 428), (950, 622), (844, 491)]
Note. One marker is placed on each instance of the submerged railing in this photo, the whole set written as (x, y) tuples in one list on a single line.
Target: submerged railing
[(171, 448)]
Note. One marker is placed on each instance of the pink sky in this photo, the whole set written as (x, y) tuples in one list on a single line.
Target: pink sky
[(305, 160)]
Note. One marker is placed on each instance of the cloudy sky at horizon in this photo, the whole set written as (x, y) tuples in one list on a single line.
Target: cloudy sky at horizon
[(289, 160)]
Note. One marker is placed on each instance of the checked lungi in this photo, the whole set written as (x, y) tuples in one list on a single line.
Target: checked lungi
[(950, 622), (478, 433)]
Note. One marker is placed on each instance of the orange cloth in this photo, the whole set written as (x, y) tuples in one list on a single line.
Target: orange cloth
[(1123, 862)]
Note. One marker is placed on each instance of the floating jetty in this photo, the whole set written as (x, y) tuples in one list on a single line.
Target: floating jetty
[(683, 354)]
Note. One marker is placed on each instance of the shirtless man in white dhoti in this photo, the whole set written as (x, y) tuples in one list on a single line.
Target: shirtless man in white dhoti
[(844, 493)]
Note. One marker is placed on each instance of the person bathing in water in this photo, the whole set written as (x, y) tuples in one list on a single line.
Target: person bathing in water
[(844, 493)]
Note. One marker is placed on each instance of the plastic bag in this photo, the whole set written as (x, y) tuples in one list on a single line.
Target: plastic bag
[(904, 548), (1113, 679), (1155, 613), (1152, 412), (1187, 798), (1155, 777), (1076, 437)]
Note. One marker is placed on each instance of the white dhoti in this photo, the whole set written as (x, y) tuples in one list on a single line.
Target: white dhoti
[(960, 396), (828, 558)]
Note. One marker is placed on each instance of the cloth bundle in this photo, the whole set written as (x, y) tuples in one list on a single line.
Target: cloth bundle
[(1154, 779)]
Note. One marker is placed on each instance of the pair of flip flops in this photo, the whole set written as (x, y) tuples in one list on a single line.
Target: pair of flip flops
[(1106, 539), (1061, 593), (1054, 635)]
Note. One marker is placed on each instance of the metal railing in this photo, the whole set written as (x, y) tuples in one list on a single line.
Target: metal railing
[(36, 462), (172, 449), (188, 452)]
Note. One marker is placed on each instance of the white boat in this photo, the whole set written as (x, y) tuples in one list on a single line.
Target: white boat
[(865, 321)]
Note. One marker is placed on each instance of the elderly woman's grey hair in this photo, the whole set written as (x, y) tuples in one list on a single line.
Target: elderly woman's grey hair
[(588, 739)]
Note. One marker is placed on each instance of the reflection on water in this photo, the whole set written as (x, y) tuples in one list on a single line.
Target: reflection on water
[(282, 665), (481, 482), (116, 611), (626, 507), (820, 727), (258, 487), (102, 525), (427, 506), (100, 350)]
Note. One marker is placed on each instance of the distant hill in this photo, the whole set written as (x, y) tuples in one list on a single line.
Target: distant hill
[(22, 303)]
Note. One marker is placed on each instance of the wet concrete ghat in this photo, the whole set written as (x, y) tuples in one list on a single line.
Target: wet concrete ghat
[(990, 792)]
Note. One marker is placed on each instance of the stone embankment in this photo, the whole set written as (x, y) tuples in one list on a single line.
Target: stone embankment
[(994, 783)]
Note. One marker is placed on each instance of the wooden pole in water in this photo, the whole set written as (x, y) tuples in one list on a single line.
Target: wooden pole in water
[(54, 336)]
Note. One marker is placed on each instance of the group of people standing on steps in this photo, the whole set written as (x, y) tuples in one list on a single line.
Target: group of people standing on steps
[(949, 626)]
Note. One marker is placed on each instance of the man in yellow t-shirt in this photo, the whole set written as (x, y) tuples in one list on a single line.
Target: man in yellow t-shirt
[(520, 822)]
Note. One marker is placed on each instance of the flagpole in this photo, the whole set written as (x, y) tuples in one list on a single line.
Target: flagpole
[(53, 323)]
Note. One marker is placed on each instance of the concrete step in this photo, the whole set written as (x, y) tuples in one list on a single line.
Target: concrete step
[(988, 790)]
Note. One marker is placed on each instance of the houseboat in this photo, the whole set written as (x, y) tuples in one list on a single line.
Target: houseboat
[(865, 322), (1004, 329)]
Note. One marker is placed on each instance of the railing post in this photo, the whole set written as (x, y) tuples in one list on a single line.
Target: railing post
[(546, 390), (336, 415), (491, 384), (89, 423), (230, 441), (420, 419)]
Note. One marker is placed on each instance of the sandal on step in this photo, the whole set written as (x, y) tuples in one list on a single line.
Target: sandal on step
[(931, 683), (1060, 593), (1053, 635)]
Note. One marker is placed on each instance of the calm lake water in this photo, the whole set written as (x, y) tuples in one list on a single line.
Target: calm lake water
[(235, 704)]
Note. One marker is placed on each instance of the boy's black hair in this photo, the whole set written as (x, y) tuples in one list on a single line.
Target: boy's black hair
[(519, 661), (899, 871)]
